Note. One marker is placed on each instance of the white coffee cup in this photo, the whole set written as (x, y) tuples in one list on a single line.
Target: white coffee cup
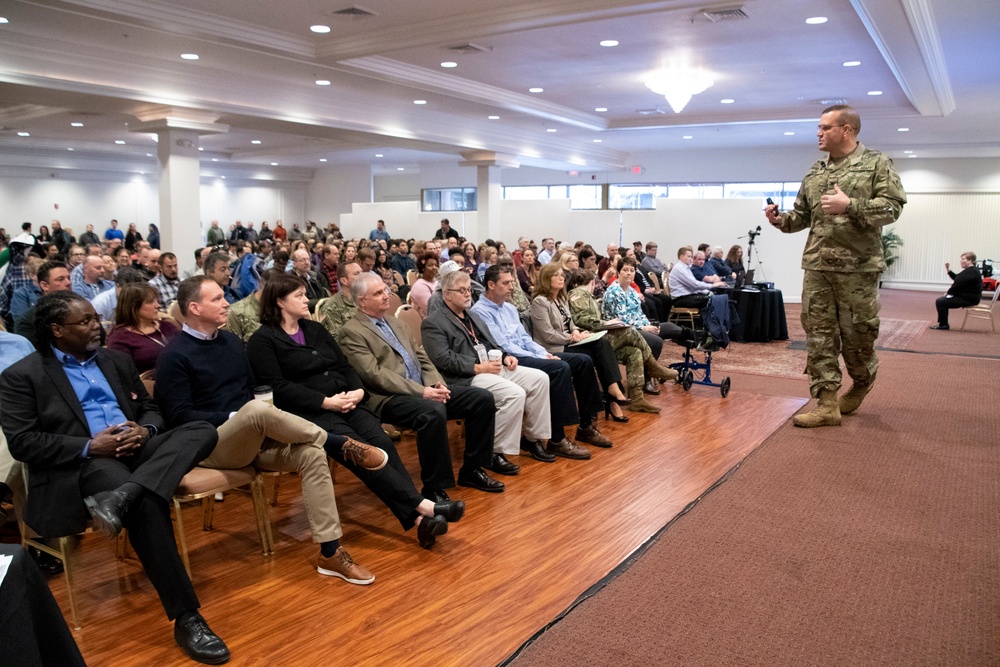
[(494, 355)]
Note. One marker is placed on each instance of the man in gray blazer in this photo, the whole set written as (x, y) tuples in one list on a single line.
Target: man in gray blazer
[(407, 390)]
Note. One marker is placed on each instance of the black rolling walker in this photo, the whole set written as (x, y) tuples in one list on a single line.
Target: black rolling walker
[(690, 371)]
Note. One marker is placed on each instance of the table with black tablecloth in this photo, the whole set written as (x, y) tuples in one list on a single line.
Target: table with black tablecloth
[(32, 628), (761, 316)]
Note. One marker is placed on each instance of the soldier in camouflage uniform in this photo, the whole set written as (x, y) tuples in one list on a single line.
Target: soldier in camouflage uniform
[(517, 297), (845, 201), (629, 346), (339, 309), (243, 318)]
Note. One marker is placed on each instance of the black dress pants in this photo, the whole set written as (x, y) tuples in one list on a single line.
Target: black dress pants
[(158, 468), (602, 355), (392, 484), (945, 303), (430, 420), (564, 411)]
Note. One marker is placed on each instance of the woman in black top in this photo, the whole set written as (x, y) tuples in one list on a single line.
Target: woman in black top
[(966, 289), (131, 237), (311, 377)]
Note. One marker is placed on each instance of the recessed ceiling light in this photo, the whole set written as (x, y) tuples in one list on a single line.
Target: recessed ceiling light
[(728, 100), (274, 164), (597, 141), (147, 154), (852, 63), (493, 117), (320, 29), (120, 142), (816, 20), (76, 124), (222, 177), (911, 156), (3, 20), (551, 129), (536, 90), (400, 169), (322, 82), (379, 155), (420, 102), (903, 129), (201, 148), (907, 152), (189, 56), (449, 64), (322, 159), (255, 141), (687, 136), (788, 134), (24, 134), (71, 149), (600, 109), (609, 42), (215, 159), (874, 92)]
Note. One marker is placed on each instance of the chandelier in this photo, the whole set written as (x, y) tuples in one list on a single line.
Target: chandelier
[(679, 85)]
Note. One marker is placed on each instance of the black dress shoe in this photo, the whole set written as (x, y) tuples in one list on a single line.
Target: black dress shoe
[(429, 528), (108, 509), (197, 640), (477, 479), (47, 563), (452, 511), (435, 496), (941, 327), (536, 450), (502, 466)]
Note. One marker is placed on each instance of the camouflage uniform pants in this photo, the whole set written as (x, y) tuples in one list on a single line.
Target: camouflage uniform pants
[(632, 350), (840, 317)]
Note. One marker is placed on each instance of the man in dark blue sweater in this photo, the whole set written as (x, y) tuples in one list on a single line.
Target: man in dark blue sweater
[(204, 374)]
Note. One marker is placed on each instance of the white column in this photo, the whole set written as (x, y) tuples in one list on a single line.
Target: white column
[(489, 194), (180, 194)]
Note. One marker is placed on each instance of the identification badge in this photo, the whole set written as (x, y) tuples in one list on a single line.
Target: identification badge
[(481, 353)]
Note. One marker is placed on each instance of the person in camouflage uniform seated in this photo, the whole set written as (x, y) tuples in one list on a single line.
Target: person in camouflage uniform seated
[(243, 318), (517, 297), (629, 346), (844, 201), (339, 309)]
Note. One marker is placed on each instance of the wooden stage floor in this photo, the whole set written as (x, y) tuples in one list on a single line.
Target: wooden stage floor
[(515, 561)]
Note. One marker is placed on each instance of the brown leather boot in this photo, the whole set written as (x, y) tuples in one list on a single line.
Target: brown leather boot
[(657, 371), (852, 399), (638, 403), (826, 413)]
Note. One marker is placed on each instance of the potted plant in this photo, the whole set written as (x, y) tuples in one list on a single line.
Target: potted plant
[(890, 242)]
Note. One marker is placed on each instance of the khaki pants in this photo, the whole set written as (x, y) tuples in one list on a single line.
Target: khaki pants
[(261, 435)]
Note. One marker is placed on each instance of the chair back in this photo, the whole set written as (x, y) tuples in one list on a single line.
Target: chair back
[(394, 302), (409, 316), (174, 313), (148, 381), (653, 278), (411, 277)]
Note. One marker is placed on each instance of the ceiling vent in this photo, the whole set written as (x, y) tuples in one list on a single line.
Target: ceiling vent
[(651, 112), (469, 47), (354, 12), (724, 13), (830, 103)]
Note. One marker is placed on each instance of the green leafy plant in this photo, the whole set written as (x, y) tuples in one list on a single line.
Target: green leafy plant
[(891, 241)]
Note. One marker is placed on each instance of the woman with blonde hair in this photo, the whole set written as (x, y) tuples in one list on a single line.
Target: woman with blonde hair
[(553, 329)]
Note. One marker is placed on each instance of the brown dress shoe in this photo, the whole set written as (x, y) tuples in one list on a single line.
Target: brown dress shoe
[(568, 450), (340, 564), (593, 436), (365, 456)]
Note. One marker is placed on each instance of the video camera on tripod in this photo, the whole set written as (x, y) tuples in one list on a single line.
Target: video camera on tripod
[(753, 233)]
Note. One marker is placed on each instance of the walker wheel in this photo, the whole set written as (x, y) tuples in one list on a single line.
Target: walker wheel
[(680, 376), (688, 380), (724, 387)]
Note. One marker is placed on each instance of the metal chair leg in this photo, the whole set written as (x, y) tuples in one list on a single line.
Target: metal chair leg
[(181, 540)]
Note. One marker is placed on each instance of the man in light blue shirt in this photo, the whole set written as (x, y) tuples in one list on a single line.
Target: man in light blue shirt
[(548, 251), (379, 233), (91, 282)]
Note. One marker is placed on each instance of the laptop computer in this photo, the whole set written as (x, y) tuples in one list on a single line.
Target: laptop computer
[(744, 279)]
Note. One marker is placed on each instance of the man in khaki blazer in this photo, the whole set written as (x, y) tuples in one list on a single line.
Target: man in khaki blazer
[(408, 391)]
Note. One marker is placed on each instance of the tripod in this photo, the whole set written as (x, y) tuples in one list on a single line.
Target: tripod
[(759, 269)]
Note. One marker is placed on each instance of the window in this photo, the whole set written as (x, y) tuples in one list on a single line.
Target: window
[(580, 196), (694, 191), (634, 196), (449, 199)]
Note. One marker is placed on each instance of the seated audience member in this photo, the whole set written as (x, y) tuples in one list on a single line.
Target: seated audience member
[(243, 318), (217, 268), (311, 377), (166, 282), (567, 372), (689, 292), (469, 261), (339, 309), (568, 261), (106, 302), (92, 280), (655, 304), (458, 344), (489, 256), (702, 271), (402, 262), (366, 259), (204, 375), (139, 332), (423, 288), (527, 273), (547, 252), (52, 277), (118, 464), (630, 347), (553, 329), (517, 297), (718, 263), (649, 263), (25, 297), (966, 289), (734, 262), (327, 270), (408, 392)]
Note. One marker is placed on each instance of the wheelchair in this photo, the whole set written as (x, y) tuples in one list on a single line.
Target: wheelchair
[(690, 371)]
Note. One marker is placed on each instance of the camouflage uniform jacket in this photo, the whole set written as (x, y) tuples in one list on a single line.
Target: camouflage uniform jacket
[(336, 312), (244, 317), (519, 299), (850, 242)]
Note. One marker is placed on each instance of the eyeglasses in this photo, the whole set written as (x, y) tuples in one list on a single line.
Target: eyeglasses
[(379, 292), (461, 290), (827, 128), (87, 321)]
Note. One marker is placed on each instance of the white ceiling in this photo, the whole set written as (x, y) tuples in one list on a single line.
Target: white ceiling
[(103, 62)]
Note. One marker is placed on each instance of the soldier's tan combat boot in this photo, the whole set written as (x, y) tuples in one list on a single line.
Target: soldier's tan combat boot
[(657, 371), (827, 413), (852, 399), (638, 403)]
